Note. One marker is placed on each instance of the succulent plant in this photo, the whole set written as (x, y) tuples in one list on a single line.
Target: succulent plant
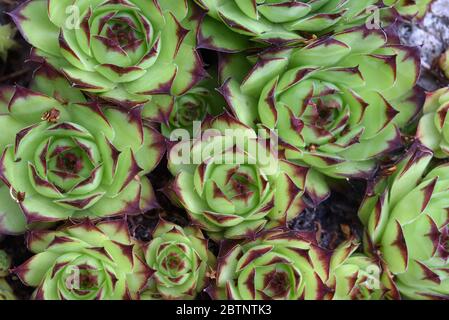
[(7, 42), (182, 112), (433, 124), (276, 265), (355, 276), (180, 260), (85, 262), (410, 9), (288, 265), (231, 183), (64, 160), (6, 292), (276, 21), (406, 222), (443, 62), (5, 263), (340, 111), (124, 51)]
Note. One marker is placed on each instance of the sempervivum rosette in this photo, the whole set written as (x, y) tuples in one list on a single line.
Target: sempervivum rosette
[(61, 159), (85, 262), (433, 126), (193, 106), (180, 260), (6, 292), (122, 50), (278, 265), (289, 265), (275, 21), (341, 110), (410, 8), (230, 181), (182, 112), (355, 276), (407, 225)]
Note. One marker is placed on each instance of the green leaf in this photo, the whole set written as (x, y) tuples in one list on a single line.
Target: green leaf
[(49, 82), (214, 35), (315, 23), (284, 11), (33, 270), (239, 22), (36, 27), (29, 107), (12, 220), (88, 81)]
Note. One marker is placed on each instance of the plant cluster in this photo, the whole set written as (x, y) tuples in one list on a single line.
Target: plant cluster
[(305, 93)]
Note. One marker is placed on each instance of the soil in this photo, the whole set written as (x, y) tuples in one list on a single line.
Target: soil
[(332, 222)]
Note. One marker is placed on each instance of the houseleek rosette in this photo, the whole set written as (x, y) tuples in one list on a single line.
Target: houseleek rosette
[(287, 265), (433, 129), (5, 263), (188, 108), (187, 111), (276, 21), (6, 292), (278, 265), (410, 8), (85, 262), (124, 51), (64, 160), (230, 181), (180, 260), (407, 226), (340, 111), (355, 276)]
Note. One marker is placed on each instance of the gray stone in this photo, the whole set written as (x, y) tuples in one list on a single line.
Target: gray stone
[(432, 36)]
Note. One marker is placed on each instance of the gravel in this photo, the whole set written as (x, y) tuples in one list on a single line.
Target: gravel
[(432, 36)]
